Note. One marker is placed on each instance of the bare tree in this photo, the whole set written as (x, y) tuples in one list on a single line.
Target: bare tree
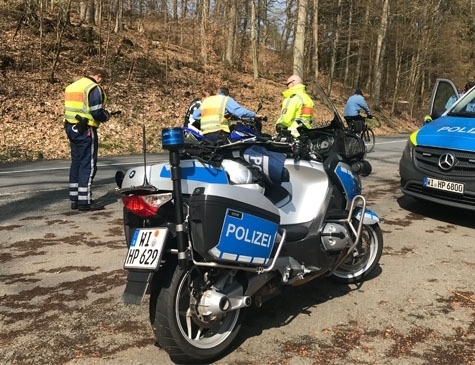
[(299, 44), (348, 43), (334, 48), (315, 38), (254, 42), (288, 29), (379, 55), (204, 20), (119, 17), (59, 38), (86, 11), (231, 38)]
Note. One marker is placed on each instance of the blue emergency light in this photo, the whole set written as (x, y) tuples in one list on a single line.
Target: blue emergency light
[(172, 138)]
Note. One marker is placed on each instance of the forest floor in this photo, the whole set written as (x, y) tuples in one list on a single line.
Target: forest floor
[(152, 82)]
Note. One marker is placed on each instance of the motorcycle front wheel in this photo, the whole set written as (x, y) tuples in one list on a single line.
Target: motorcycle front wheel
[(187, 335), (363, 259)]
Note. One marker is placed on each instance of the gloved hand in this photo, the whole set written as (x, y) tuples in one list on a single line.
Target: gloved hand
[(297, 150), (81, 125), (369, 116)]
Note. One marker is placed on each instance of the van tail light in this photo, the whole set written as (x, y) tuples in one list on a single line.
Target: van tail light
[(145, 206)]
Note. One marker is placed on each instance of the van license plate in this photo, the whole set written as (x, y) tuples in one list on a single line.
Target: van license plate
[(443, 185)]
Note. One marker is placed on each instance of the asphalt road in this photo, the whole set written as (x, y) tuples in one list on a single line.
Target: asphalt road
[(62, 281)]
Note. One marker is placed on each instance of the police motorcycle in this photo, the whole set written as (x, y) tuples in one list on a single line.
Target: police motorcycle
[(214, 230)]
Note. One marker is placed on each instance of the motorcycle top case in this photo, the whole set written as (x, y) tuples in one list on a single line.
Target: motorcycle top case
[(232, 223)]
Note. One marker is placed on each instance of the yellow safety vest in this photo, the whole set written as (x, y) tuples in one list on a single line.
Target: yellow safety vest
[(297, 105), (76, 101), (213, 110)]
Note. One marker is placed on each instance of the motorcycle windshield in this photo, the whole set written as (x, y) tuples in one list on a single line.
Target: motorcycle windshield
[(325, 112)]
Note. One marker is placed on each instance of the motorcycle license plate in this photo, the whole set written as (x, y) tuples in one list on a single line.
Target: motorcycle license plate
[(145, 249), (443, 185)]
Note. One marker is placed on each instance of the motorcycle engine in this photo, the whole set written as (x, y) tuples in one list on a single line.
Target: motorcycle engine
[(335, 237)]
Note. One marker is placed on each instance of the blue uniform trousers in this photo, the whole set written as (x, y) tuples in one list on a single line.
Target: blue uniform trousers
[(83, 163)]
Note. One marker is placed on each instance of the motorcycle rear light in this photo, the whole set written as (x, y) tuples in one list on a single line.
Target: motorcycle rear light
[(145, 206)]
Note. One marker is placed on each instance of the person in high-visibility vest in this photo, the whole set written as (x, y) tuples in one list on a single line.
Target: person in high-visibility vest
[(215, 111), (297, 106), (84, 111)]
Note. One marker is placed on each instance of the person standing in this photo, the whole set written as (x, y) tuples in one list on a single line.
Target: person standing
[(351, 113), (297, 106), (84, 111), (214, 114)]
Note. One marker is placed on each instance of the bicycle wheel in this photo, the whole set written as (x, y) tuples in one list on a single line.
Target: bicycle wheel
[(368, 138)]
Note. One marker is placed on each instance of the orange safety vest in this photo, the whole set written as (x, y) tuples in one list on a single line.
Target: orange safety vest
[(213, 110), (76, 101)]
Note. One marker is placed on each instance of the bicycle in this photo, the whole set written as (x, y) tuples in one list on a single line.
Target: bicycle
[(364, 132)]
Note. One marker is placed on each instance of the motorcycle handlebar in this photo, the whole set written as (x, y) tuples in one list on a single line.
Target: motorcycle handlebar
[(249, 119)]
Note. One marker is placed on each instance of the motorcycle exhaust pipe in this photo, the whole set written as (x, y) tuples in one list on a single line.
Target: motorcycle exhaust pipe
[(213, 302), (224, 304)]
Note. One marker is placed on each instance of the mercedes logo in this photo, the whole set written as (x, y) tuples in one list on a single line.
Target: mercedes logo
[(446, 161)]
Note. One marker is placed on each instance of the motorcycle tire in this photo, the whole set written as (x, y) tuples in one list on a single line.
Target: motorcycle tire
[(362, 261), (176, 327)]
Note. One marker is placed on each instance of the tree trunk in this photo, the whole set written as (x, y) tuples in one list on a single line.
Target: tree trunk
[(315, 38), (379, 55), (348, 44), (254, 40), (361, 43), (288, 26), (335, 44), (118, 17), (231, 38), (97, 11), (204, 20), (299, 44), (59, 38)]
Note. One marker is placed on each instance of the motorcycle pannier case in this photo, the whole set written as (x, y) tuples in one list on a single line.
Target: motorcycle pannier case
[(232, 223)]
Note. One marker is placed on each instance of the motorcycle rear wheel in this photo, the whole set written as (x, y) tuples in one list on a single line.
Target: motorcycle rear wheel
[(176, 329), (364, 258)]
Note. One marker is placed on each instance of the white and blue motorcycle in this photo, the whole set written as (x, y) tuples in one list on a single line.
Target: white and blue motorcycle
[(217, 229)]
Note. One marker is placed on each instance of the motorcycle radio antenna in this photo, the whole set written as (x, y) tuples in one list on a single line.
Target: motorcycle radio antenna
[(146, 185), (144, 150)]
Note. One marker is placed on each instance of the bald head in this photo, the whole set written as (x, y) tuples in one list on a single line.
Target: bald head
[(294, 80)]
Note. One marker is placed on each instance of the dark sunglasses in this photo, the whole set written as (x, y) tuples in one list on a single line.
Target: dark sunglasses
[(290, 82)]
